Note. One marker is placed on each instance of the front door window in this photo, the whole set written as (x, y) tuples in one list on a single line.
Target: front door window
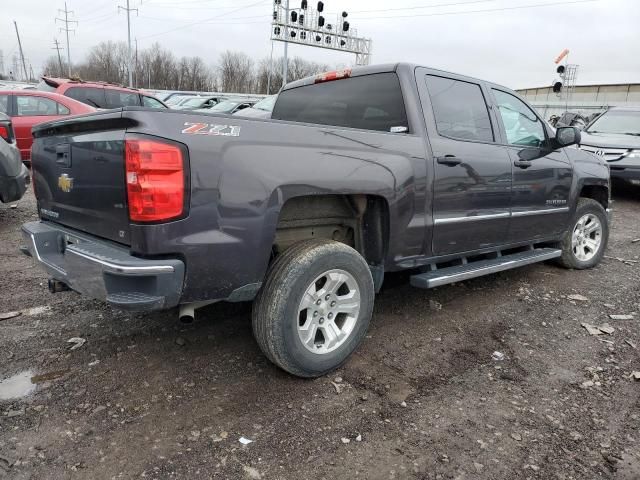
[(521, 125)]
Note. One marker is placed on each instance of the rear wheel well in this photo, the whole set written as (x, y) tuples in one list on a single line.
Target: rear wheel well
[(598, 193), (360, 221)]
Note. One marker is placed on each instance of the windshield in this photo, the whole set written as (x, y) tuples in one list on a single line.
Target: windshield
[(224, 106), (174, 100), (266, 104), (193, 102), (617, 121), (45, 87)]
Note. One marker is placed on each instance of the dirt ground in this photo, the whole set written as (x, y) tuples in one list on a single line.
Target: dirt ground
[(148, 397)]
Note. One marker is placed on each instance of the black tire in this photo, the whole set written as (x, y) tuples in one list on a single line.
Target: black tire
[(276, 309), (569, 258)]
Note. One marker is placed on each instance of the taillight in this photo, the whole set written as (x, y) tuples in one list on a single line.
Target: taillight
[(5, 134), (155, 180)]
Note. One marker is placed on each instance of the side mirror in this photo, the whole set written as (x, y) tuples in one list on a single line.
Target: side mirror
[(566, 136)]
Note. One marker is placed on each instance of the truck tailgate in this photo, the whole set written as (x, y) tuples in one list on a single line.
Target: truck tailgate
[(79, 174)]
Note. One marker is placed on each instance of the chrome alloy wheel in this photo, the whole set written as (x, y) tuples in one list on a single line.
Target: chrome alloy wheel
[(587, 237), (328, 311)]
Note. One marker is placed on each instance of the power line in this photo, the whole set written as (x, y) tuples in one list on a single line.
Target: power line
[(66, 29), (420, 7), (203, 21), (129, 10), (500, 9)]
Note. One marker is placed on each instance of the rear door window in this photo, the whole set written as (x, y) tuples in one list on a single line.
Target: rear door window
[(93, 96), (4, 104), (369, 102), (30, 106), (118, 98), (459, 109)]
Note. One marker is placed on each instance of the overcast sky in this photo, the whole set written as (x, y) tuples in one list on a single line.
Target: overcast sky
[(511, 42)]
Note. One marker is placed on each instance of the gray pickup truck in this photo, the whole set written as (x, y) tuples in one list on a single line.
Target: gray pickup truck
[(358, 173)]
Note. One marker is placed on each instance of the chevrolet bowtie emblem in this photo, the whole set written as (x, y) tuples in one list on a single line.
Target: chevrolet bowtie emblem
[(65, 182)]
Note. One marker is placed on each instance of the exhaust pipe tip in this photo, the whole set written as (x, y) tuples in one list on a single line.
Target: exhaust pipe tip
[(187, 311), (56, 286)]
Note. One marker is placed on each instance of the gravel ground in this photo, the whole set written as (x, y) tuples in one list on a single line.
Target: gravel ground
[(147, 397)]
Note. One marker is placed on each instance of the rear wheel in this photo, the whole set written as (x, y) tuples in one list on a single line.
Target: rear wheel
[(314, 307), (584, 243)]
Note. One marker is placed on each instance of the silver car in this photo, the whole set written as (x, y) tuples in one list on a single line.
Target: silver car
[(14, 176)]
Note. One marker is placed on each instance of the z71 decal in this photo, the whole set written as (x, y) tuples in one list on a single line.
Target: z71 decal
[(211, 129)]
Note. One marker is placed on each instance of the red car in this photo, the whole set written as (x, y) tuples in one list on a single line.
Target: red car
[(30, 107), (99, 94)]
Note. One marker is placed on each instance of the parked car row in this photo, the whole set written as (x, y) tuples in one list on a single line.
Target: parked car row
[(222, 105)]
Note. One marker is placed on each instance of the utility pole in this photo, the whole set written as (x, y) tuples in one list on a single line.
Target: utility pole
[(285, 66), (136, 66), (129, 10), (269, 73), (24, 65), (1, 63), (67, 30), (57, 48), (13, 73), (32, 77)]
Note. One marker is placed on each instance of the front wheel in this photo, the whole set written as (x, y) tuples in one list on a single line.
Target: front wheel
[(585, 242), (314, 308)]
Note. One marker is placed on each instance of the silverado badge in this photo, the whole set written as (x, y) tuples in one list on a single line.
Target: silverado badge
[(65, 182)]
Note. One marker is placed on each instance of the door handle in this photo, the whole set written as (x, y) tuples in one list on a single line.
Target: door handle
[(522, 163), (449, 160)]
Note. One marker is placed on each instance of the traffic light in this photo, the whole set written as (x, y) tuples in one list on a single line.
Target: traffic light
[(345, 26), (557, 85), (320, 7), (303, 5), (321, 21), (294, 17)]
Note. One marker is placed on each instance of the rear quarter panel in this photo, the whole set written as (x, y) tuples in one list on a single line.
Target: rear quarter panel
[(240, 183)]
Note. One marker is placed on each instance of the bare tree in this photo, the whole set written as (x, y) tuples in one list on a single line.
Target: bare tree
[(156, 67), (236, 72), (52, 67), (297, 68)]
